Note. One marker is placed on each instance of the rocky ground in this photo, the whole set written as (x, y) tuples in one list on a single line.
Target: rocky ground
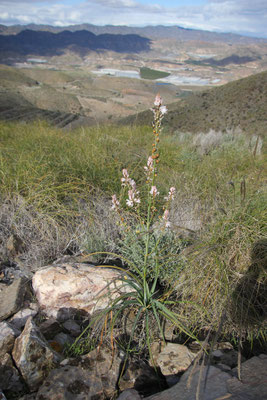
[(42, 314)]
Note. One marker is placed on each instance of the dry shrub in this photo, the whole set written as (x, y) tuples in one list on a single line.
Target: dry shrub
[(98, 226), (223, 275), (33, 239), (204, 143), (188, 214), (29, 237)]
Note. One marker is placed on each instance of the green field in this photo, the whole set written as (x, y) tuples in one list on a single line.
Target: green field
[(148, 73)]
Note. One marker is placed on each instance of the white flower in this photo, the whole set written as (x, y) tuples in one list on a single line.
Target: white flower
[(149, 163), (163, 110), (149, 168), (133, 184), (154, 191), (115, 202), (129, 203), (158, 101), (171, 194), (133, 198), (166, 216), (126, 179)]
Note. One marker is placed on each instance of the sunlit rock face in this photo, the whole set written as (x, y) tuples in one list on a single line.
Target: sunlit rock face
[(61, 290)]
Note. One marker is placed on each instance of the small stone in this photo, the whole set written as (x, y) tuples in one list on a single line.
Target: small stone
[(2, 396), (72, 327), (63, 339), (7, 338), (50, 328), (174, 358), (20, 318), (11, 298), (129, 394), (225, 346), (142, 377), (33, 356), (224, 367), (195, 346), (10, 381), (226, 357), (217, 354), (64, 362)]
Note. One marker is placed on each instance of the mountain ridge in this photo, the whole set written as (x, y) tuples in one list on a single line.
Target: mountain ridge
[(49, 43), (151, 32)]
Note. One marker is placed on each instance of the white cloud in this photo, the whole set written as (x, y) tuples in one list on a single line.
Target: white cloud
[(216, 15), (116, 3)]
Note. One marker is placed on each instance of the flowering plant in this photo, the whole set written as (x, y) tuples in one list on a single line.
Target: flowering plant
[(150, 304), (143, 245), (152, 226), (150, 170)]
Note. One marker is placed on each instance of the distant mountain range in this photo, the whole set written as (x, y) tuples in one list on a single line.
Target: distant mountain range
[(45, 43), (150, 32)]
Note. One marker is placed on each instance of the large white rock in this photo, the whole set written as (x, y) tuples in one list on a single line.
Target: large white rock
[(67, 287)]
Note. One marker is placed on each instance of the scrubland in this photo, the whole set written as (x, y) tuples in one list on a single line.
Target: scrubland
[(56, 192)]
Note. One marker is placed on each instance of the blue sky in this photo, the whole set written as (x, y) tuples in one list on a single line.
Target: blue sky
[(237, 16)]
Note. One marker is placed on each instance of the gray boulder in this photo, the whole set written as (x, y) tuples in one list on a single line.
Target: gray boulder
[(33, 356), (7, 338), (10, 381), (11, 298)]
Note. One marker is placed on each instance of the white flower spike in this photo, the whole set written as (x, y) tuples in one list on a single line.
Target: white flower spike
[(154, 191)]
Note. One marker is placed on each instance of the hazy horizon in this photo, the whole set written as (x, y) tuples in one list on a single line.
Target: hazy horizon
[(222, 16)]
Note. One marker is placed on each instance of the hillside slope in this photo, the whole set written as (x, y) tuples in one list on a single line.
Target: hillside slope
[(20, 96), (242, 103)]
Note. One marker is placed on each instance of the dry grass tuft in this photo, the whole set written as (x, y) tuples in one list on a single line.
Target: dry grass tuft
[(29, 237)]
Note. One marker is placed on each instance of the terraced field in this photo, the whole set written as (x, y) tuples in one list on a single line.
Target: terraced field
[(28, 113), (70, 95)]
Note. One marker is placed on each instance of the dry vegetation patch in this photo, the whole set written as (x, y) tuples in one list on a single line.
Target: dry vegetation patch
[(55, 197)]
